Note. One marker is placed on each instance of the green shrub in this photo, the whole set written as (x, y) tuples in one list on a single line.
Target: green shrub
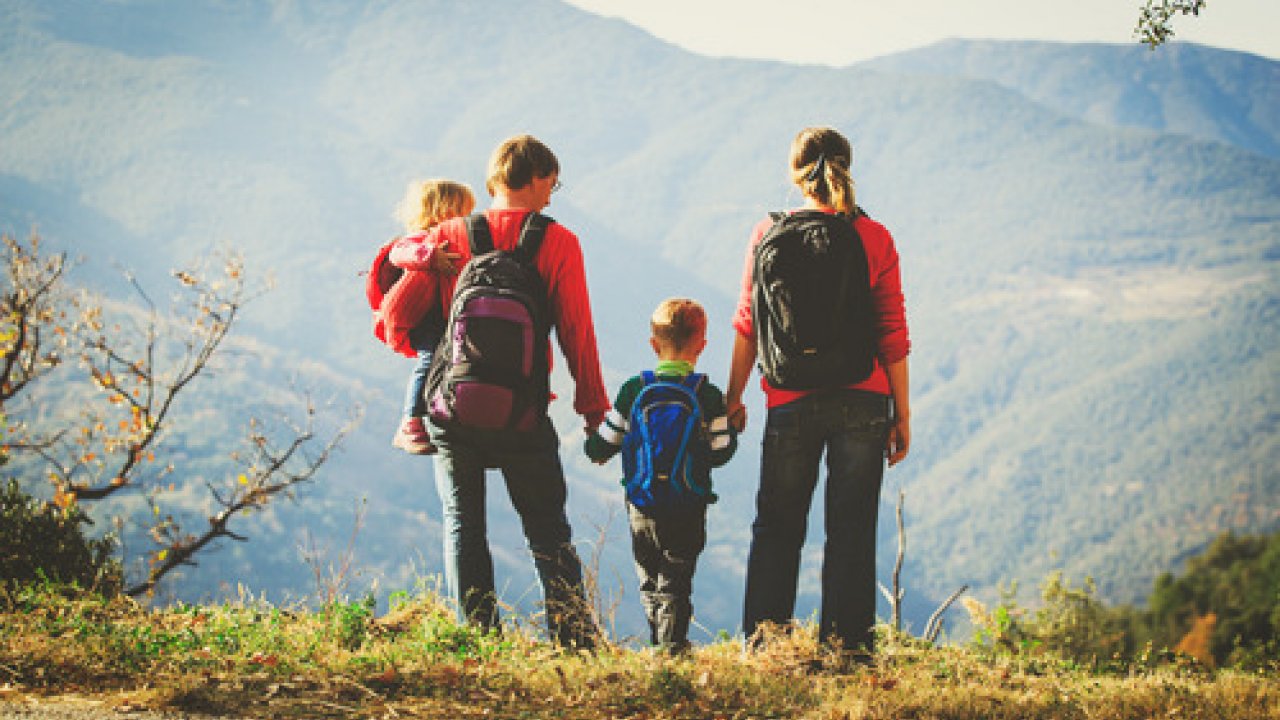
[(43, 543)]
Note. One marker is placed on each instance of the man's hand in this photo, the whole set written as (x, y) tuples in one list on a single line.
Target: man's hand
[(592, 422), (445, 263)]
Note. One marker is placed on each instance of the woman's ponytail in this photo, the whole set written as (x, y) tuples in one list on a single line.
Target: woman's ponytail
[(820, 159)]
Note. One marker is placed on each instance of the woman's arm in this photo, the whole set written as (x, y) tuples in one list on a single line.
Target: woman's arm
[(900, 433), (744, 358)]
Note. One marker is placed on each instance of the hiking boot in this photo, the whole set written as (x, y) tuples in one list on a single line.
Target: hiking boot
[(412, 437)]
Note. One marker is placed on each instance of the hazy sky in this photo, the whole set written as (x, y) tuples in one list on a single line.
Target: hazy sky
[(838, 32)]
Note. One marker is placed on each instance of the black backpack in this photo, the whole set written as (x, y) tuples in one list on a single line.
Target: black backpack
[(490, 370), (815, 321)]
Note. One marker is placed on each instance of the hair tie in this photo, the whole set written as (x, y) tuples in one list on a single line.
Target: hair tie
[(819, 167)]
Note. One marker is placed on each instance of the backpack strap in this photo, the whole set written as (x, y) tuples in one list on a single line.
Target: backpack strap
[(649, 377), (532, 234), (694, 381), (478, 235)]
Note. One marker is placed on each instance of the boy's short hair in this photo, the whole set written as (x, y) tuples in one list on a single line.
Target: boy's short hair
[(678, 322), (518, 160)]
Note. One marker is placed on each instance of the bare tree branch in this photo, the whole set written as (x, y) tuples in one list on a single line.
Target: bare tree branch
[(273, 472), (32, 301), (896, 602), (934, 626)]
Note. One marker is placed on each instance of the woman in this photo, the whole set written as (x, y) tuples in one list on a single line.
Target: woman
[(856, 426)]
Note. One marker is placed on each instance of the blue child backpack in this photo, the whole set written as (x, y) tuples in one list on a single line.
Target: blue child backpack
[(666, 453)]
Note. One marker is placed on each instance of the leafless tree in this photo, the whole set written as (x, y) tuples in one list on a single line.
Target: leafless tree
[(142, 363), (932, 628)]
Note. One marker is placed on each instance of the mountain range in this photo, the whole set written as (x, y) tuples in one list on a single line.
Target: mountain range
[(1090, 239)]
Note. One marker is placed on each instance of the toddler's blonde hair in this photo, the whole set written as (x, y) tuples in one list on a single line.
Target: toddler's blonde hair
[(427, 203)]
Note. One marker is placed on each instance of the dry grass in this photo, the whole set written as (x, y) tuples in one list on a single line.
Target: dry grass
[(252, 660)]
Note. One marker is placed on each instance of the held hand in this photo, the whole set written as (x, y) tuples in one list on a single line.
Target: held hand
[(445, 263), (592, 421), (737, 414), (899, 442)]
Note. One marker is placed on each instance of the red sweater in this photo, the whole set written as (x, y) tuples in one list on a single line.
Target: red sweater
[(559, 262), (886, 290), (406, 303)]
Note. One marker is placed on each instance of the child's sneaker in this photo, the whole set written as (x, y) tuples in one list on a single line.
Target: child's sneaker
[(412, 437)]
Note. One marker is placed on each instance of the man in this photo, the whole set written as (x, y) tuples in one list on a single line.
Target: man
[(523, 173)]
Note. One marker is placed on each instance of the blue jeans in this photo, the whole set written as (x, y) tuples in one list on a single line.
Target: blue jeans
[(850, 427), (536, 485), (423, 339)]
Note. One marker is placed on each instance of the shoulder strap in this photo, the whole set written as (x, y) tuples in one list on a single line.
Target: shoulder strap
[(649, 377), (694, 381), (532, 234), (478, 235)]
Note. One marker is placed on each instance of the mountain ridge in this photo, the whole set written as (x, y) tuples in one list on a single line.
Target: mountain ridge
[(1062, 273)]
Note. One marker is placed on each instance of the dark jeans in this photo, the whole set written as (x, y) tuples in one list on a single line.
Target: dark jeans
[(666, 545), (423, 339), (850, 427), (535, 483)]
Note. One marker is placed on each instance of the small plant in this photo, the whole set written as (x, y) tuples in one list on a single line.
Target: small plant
[(349, 621), (43, 543)]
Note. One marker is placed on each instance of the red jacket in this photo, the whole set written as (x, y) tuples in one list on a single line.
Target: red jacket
[(559, 262), (886, 291), (399, 308)]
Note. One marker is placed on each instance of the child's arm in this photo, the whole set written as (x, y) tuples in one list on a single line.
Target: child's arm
[(425, 253), (413, 252), (722, 436), (606, 440)]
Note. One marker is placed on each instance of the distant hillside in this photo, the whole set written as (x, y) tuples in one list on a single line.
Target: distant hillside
[(1179, 88), (1093, 305)]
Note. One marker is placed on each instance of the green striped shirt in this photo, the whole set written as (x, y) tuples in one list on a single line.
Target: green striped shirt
[(605, 442)]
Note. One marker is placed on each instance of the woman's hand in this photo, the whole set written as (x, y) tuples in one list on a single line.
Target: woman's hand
[(736, 413), (899, 443)]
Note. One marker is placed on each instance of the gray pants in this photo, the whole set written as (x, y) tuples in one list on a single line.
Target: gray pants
[(666, 545)]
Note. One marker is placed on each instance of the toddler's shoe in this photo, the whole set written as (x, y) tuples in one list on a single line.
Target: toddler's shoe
[(412, 437)]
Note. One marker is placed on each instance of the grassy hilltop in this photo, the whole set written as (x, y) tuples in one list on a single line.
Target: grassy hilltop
[(251, 659)]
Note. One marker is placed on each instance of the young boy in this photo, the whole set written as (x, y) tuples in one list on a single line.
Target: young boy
[(666, 538)]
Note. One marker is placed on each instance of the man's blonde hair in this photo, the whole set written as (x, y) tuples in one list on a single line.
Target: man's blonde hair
[(427, 203), (678, 322), (517, 161)]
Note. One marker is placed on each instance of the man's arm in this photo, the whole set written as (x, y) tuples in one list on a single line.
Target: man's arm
[(575, 329)]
